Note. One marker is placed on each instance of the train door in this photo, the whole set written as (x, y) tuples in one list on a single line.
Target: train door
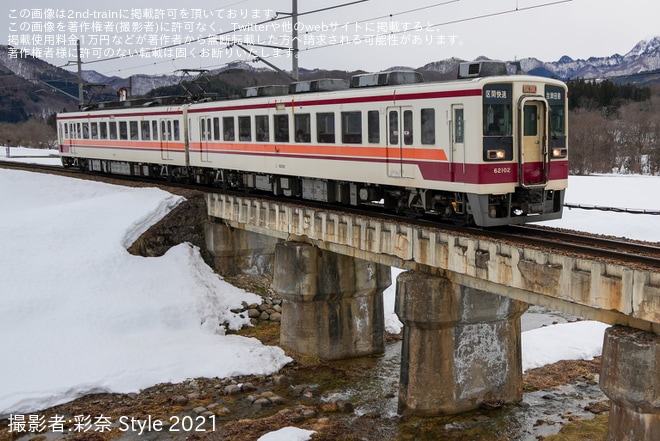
[(399, 137), (70, 137), (457, 134), (533, 151), (205, 136), (165, 138)]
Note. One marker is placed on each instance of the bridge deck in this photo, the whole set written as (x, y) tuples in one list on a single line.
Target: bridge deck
[(608, 292)]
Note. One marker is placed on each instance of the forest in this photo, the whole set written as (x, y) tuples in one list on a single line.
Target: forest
[(613, 128)]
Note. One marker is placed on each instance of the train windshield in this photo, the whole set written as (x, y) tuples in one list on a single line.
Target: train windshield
[(497, 113), (556, 99)]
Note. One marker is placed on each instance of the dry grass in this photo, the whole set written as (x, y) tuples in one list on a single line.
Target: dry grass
[(583, 430), (562, 372)]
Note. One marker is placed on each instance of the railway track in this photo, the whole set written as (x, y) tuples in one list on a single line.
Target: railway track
[(607, 248), (569, 242)]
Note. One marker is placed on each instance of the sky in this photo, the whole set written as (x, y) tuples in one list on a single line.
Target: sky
[(81, 315), (371, 35)]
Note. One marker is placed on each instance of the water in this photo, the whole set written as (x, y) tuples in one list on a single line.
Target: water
[(373, 389)]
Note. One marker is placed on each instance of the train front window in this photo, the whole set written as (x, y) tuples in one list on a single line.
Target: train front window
[(497, 113), (531, 120), (556, 99)]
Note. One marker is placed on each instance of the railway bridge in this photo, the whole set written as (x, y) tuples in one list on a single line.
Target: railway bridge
[(460, 300)]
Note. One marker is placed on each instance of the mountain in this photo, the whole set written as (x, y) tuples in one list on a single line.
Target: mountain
[(43, 89), (641, 59), (32, 87)]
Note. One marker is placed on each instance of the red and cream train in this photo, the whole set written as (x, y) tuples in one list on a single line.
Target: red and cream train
[(487, 148)]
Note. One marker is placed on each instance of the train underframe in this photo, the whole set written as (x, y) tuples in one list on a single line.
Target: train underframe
[(486, 210)]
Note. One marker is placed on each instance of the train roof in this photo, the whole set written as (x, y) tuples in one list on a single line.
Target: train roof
[(379, 83)]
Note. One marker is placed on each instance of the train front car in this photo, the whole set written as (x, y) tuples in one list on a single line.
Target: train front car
[(522, 171)]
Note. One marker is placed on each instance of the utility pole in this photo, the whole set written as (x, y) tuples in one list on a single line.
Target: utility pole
[(80, 80), (294, 38)]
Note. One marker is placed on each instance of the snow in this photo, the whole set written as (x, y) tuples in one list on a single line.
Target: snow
[(30, 156), (82, 315), (288, 434)]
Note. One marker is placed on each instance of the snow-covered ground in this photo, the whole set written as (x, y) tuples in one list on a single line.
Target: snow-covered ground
[(81, 315)]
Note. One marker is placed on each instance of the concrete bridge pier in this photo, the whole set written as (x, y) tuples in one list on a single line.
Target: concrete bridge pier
[(630, 377), (332, 304), (236, 251), (461, 346)]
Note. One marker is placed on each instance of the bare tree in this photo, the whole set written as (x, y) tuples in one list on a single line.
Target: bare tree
[(590, 142)]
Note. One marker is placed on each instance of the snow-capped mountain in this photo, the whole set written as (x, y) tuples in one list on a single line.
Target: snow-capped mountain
[(644, 57)]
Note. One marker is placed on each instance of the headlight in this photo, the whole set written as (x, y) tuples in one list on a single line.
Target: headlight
[(496, 154), (559, 153)]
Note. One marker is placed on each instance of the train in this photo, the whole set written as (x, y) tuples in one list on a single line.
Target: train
[(488, 148)]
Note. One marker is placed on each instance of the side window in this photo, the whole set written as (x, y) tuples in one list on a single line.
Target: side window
[(325, 128), (216, 129), (154, 130), (123, 130), (408, 127), (113, 129), (302, 127), (85, 130), (103, 130), (146, 133), (373, 126), (281, 126), (133, 126), (351, 127), (95, 130), (428, 126), (244, 128), (228, 124), (261, 126), (458, 126), (176, 130)]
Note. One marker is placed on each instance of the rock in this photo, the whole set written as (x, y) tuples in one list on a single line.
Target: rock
[(253, 313), (277, 400), (345, 406), (296, 418), (194, 396), (276, 317), (281, 380), (200, 410), (264, 316), (179, 400), (298, 390), (232, 389), (261, 402), (277, 308), (248, 387), (309, 413)]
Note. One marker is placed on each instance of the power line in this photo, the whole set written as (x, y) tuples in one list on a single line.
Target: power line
[(284, 16), (461, 20)]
